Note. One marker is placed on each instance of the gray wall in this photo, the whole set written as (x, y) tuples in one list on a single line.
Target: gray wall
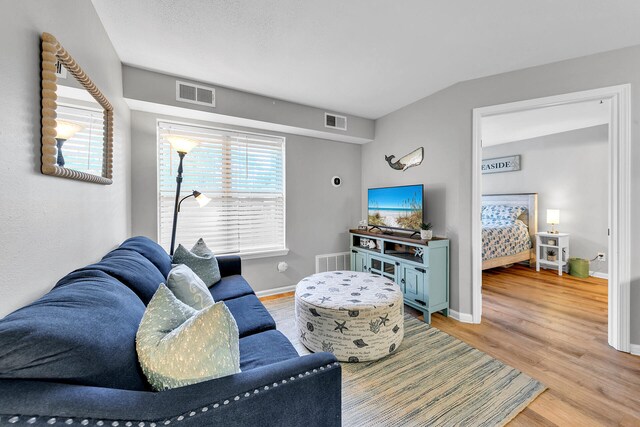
[(318, 215), (52, 225), (569, 172), (159, 88), (442, 124)]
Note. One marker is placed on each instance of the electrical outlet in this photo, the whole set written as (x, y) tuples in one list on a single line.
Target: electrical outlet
[(602, 256)]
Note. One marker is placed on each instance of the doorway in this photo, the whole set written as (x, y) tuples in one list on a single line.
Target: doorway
[(618, 200)]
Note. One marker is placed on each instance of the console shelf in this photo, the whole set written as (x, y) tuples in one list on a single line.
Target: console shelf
[(419, 267)]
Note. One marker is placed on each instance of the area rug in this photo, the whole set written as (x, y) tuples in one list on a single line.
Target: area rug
[(433, 379)]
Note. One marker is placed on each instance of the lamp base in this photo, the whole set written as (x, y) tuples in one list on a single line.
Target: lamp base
[(60, 159)]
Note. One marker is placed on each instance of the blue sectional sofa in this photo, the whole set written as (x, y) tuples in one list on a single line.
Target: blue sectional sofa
[(69, 358)]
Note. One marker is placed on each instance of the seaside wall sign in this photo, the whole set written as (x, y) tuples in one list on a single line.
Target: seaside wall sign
[(501, 164), (414, 158)]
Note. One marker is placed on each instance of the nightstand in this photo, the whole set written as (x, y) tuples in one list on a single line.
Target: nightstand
[(557, 242)]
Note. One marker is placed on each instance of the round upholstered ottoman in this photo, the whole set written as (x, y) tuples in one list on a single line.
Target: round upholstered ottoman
[(356, 316)]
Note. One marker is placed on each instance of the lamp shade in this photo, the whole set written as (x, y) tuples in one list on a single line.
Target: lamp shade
[(66, 130), (553, 216), (201, 199), (181, 144)]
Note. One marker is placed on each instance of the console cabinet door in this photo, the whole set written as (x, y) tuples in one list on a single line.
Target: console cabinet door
[(359, 261), (375, 265), (413, 283)]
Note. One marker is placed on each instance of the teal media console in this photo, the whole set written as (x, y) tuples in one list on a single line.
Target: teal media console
[(420, 267)]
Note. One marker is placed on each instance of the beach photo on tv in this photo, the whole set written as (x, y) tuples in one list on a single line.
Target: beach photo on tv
[(396, 207)]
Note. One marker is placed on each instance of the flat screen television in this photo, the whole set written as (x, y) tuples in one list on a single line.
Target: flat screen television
[(398, 208)]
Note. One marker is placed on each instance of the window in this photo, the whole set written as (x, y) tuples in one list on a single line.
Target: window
[(243, 174)]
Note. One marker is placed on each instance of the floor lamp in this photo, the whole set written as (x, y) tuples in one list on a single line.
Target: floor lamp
[(183, 146)]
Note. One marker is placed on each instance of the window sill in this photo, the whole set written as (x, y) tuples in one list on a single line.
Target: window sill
[(262, 254)]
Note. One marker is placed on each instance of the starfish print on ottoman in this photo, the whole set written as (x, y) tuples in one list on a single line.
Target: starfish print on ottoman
[(341, 326), (384, 320), (323, 299)]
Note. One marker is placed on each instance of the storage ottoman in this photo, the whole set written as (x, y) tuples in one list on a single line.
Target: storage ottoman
[(356, 316)]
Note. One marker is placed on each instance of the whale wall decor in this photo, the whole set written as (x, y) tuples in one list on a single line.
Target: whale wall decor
[(414, 158)]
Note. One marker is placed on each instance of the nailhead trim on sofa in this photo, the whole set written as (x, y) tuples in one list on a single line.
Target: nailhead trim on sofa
[(28, 419)]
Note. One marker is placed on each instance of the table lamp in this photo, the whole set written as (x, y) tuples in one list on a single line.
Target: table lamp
[(553, 218)]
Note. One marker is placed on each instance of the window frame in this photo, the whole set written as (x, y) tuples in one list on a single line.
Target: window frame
[(244, 255)]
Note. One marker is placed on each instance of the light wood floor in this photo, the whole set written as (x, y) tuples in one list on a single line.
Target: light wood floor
[(555, 330)]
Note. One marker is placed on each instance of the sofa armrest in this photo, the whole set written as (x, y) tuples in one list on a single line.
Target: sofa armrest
[(303, 391), (229, 265)]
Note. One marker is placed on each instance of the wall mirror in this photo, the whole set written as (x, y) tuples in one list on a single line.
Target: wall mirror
[(77, 120)]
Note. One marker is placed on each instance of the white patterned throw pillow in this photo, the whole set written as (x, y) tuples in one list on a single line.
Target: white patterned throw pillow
[(189, 288), (178, 345)]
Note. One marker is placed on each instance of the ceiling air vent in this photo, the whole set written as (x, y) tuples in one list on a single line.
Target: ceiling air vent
[(195, 94), (334, 121)]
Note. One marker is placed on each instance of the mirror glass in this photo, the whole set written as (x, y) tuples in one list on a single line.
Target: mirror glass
[(79, 134)]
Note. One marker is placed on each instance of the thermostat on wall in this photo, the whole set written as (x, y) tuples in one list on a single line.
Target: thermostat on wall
[(336, 181)]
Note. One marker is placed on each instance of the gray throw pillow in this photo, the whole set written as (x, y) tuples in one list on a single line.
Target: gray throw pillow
[(179, 346), (201, 260), (189, 288)]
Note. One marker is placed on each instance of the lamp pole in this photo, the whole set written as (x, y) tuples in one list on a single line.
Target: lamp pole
[(176, 207)]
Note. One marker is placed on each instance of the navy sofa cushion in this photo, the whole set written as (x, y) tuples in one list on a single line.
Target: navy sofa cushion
[(265, 349), (230, 287), (151, 251), (133, 269), (82, 332), (251, 316)]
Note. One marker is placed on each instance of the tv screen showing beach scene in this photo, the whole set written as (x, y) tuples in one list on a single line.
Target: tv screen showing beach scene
[(396, 207)]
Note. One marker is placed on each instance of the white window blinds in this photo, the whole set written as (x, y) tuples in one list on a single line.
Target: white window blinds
[(243, 174)]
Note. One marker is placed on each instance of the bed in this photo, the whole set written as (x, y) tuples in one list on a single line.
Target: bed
[(509, 226)]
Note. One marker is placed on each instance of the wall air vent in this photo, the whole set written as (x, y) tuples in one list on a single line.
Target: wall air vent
[(334, 121), (195, 94)]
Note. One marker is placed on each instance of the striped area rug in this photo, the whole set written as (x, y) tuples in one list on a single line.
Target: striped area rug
[(433, 379)]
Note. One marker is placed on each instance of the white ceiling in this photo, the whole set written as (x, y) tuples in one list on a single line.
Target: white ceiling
[(521, 125), (362, 57)]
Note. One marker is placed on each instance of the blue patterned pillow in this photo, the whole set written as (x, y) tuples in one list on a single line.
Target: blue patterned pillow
[(502, 213), (201, 260)]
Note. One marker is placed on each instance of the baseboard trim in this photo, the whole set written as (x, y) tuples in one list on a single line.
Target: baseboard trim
[(461, 317), (276, 291), (634, 349), (599, 275)]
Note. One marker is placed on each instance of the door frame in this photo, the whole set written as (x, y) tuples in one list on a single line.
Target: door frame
[(619, 201)]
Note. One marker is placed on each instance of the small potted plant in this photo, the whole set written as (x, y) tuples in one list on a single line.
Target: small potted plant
[(426, 233), (552, 255)]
